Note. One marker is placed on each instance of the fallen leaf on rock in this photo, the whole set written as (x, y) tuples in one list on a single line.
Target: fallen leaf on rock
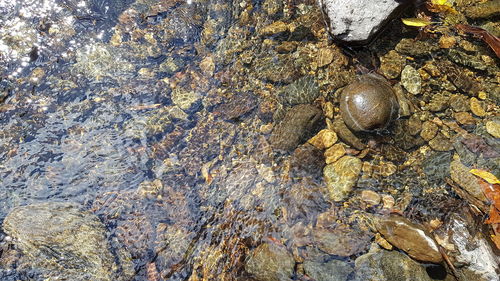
[(492, 192), (487, 176)]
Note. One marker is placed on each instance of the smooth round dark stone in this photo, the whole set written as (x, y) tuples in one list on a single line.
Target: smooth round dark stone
[(368, 104)]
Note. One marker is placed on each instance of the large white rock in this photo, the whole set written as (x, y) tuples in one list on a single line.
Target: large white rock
[(358, 20)]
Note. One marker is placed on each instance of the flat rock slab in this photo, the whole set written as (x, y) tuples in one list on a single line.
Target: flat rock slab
[(358, 20), (409, 237), (62, 237), (299, 124)]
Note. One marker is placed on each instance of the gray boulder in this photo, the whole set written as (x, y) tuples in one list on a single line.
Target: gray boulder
[(358, 20)]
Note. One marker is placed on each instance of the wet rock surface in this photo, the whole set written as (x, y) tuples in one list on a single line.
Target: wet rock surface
[(389, 265), (299, 123), (63, 237), (270, 262), (341, 177), (333, 270), (481, 260), (409, 237)]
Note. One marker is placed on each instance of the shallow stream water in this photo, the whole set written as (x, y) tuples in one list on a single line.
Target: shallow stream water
[(156, 117)]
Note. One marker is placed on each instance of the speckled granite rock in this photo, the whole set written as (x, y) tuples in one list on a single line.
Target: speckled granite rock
[(303, 90)]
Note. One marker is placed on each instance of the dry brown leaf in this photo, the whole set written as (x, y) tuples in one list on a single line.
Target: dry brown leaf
[(494, 216), (496, 240), (490, 39)]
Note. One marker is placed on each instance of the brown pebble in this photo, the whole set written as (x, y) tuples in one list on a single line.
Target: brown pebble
[(324, 139), (370, 197), (476, 107), (409, 237), (459, 103), (429, 130), (388, 201), (493, 128), (382, 242), (435, 224), (274, 28), (334, 153), (464, 118), (368, 104), (325, 56), (446, 42), (440, 143)]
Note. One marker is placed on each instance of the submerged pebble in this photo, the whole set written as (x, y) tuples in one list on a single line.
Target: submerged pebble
[(186, 100), (410, 238), (342, 240), (389, 265), (410, 79), (341, 176), (368, 104), (299, 123), (270, 262), (493, 128)]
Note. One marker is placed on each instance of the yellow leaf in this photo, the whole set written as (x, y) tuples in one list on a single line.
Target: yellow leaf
[(487, 176), (439, 6), (416, 22), (441, 2)]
